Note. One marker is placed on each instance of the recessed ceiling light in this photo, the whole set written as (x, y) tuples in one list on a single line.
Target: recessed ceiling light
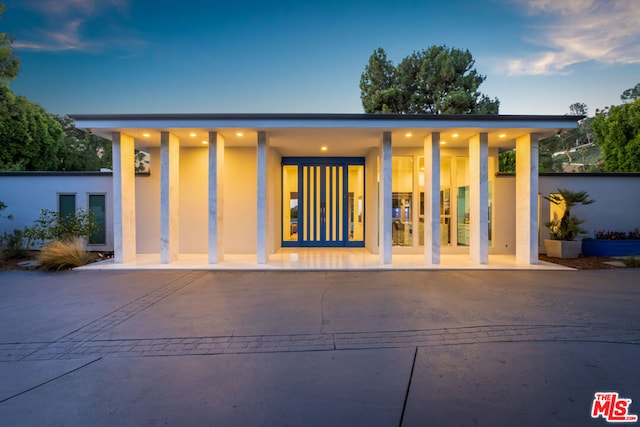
[(146, 135), (192, 134), (408, 134), (443, 142), (324, 148), (239, 134), (455, 135), (502, 135)]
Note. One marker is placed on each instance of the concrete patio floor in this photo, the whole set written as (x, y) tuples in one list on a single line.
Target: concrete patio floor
[(374, 348), (322, 259)]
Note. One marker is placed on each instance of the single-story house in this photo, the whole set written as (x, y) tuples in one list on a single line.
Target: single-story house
[(391, 184)]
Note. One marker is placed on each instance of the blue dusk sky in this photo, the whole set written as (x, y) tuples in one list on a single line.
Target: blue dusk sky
[(142, 56)]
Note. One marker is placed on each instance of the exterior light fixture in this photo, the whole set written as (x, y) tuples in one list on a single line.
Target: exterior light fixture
[(408, 134), (192, 134), (239, 134), (146, 135), (324, 148), (443, 142), (502, 135), (205, 142), (455, 135)]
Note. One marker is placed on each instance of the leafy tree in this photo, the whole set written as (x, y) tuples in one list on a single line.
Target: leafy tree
[(438, 80), (9, 62), (631, 94), (81, 150), (30, 138), (617, 132), (573, 143)]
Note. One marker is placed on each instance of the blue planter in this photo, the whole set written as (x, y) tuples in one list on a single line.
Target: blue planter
[(597, 247)]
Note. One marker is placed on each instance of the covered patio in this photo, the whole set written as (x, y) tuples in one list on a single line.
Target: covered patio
[(427, 195)]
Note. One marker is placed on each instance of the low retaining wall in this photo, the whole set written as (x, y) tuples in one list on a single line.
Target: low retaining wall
[(598, 247)]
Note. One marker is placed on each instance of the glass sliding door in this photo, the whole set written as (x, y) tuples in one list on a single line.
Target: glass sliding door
[(323, 201)]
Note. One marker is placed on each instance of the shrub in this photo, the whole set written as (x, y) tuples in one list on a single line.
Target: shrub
[(631, 262), (50, 226), (618, 235), (14, 244), (567, 227), (63, 254)]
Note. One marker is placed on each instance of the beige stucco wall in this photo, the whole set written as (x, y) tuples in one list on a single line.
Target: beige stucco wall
[(194, 196), (240, 200), (240, 208), (148, 207)]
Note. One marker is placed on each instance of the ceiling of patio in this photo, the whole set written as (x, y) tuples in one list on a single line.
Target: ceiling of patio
[(338, 142)]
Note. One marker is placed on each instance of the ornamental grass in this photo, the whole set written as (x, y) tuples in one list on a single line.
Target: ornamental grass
[(64, 254)]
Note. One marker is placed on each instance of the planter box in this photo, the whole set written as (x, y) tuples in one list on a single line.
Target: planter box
[(610, 247), (563, 248)]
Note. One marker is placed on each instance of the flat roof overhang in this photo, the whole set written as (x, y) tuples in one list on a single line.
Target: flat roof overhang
[(296, 133)]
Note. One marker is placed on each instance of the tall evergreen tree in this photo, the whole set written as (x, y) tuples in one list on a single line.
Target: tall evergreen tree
[(438, 80)]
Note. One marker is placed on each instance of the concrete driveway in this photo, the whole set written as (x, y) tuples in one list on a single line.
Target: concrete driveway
[(382, 348)]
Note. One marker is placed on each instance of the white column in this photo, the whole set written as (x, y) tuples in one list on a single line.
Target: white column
[(169, 203), (384, 224), (432, 198), (261, 250), (527, 199), (216, 197), (124, 198), (479, 198)]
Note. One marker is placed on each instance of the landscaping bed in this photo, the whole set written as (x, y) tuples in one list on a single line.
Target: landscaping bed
[(583, 262)]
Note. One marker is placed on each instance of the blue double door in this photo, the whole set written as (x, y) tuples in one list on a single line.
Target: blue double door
[(323, 201)]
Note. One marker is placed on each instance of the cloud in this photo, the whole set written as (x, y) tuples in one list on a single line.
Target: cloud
[(66, 38), (63, 24), (576, 31)]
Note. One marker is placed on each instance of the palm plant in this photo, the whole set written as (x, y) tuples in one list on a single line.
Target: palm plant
[(567, 227)]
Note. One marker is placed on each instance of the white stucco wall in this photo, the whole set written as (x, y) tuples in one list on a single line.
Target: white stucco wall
[(25, 194), (617, 206)]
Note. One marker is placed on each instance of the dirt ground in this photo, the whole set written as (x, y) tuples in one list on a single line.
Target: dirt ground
[(582, 263)]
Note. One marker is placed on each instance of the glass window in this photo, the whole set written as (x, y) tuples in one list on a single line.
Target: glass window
[(463, 201), (290, 203), (445, 200), (66, 205), (402, 200), (97, 208), (356, 203)]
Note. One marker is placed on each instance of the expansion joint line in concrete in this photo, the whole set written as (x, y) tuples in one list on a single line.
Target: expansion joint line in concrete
[(406, 396), (111, 320), (235, 344), (48, 381)]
